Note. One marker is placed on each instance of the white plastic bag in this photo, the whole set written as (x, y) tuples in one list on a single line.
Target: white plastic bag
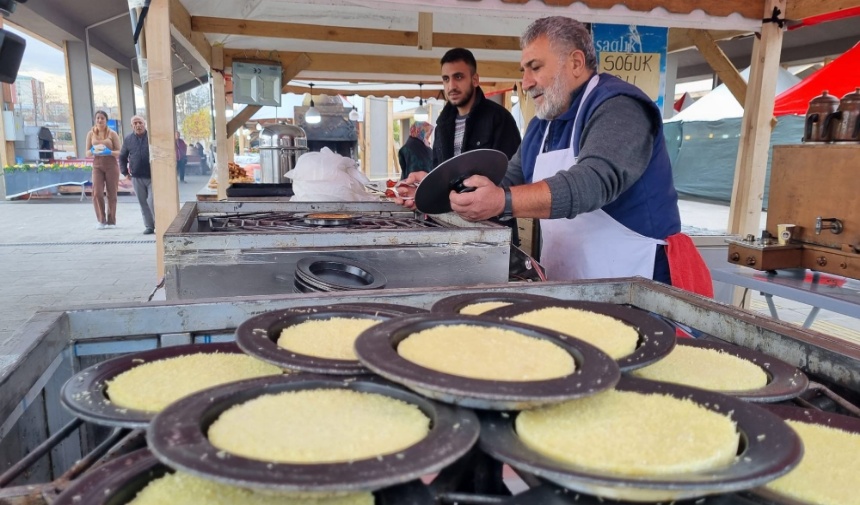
[(327, 177)]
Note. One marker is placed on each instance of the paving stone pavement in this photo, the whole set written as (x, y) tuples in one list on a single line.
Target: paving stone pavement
[(52, 256)]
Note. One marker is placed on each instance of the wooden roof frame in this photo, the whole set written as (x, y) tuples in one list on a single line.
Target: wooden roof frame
[(763, 16)]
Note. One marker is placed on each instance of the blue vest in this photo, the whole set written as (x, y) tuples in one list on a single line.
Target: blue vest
[(650, 206)]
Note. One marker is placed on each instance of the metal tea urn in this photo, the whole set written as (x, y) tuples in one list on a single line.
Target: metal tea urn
[(846, 120), (820, 108), (280, 147)]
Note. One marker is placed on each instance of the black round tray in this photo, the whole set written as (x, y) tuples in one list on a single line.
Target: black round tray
[(784, 381), (377, 350), (456, 303), (656, 338), (177, 436), (119, 481), (332, 273), (258, 336), (770, 449), (433, 193), (805, 415), (84, 394)]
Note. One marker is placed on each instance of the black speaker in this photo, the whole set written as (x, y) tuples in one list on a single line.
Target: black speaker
[(11, 51)]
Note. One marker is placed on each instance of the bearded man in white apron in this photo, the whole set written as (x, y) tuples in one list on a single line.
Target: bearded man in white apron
[(592, 166)]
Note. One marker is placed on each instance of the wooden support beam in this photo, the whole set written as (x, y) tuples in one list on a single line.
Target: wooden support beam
[(425, 31), (194, 42), (748, 187), (226, 26), (369, 65), (162, 146), (299, 63), (680, 41), (219, 103), (802, 9), (721, 64)]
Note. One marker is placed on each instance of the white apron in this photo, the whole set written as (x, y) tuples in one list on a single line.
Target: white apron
[(592, 245)]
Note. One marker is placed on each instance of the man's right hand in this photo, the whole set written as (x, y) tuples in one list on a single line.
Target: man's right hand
[(405, 189)]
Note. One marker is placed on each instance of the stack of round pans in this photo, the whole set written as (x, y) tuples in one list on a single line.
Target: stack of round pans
[(769, 448), (331, 273), (656, 337), (119, 481), (376, 349), (178, 437), (258, 336), (85, 393)]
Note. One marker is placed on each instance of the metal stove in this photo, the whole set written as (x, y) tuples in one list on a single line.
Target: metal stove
[(215, 249), (54, 345)]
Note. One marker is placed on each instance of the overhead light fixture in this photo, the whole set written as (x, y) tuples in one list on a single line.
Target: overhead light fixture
[(353, 114), (259, 127), (515, 97), (228, 112), (421, 113), (312, 116)]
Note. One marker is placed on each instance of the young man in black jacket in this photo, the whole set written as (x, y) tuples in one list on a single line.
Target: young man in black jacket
[(469, 121)]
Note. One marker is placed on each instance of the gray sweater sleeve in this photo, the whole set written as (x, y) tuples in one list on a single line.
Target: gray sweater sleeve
[(615, 148), (514, 175)]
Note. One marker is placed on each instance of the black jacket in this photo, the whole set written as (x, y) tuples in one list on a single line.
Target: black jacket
[(489, 126), (134, 156)]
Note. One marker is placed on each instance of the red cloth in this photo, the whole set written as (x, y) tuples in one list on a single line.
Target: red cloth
[(686, 266)]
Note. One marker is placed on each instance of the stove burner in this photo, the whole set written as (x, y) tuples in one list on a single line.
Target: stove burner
[(275, 222)]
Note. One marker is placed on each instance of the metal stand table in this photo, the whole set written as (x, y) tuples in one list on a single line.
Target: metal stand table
[(817, 289)]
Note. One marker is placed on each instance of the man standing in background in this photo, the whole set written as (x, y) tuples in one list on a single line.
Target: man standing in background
[(469, 121), (181, 157), (134, 163)]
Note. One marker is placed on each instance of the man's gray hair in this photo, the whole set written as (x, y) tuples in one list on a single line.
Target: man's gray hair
[(565, 35), (138, 117)]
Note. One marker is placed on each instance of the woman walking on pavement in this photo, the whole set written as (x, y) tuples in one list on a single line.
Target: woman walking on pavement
[(103, 145)]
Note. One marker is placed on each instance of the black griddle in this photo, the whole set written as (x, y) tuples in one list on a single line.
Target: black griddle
[(432, 194), (118, 482), (376, 348), (177, 437), (760, 460), (85, 393), (457, 303), (805, 415), (656, 338), (784, 381), (258, 336)]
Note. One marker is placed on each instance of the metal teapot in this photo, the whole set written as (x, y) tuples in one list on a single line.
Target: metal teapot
[(844, 124), (820, 109)]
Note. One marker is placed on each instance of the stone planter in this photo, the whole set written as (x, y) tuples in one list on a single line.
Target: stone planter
[(19, 182)]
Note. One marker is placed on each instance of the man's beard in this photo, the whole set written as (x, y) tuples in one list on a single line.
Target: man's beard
[(555, 98), (465, 96)]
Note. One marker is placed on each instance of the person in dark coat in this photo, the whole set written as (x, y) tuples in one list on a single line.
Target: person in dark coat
[(416, 155), (469, 120)]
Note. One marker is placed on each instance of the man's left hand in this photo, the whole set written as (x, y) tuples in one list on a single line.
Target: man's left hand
[(487, 201)]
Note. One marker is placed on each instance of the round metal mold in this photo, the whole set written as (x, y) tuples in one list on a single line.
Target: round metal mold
[(376, 348), (119, 481), (784, 381), (432, 196), (85, 393), (329, 219), (812, 416), (177, 436), (331, 273), (258, 336), (457, 303), (769, 448), (656, 338)]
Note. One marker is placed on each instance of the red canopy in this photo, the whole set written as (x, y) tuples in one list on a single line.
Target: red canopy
[(839, 77)]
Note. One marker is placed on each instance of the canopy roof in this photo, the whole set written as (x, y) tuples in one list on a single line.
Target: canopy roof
[(719, 103), (839, 77)]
